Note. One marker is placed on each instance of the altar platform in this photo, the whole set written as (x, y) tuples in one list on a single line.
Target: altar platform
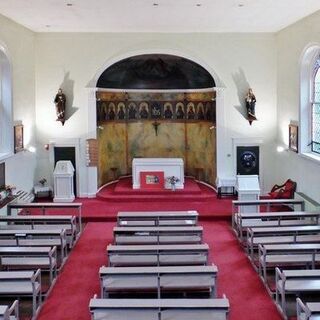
[(122, 191), (124, 186)]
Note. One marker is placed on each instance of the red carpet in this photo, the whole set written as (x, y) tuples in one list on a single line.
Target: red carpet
[(105, 208), (236, 278), (79, 280)]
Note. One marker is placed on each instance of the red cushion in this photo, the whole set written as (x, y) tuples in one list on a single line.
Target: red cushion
[(275, 195)]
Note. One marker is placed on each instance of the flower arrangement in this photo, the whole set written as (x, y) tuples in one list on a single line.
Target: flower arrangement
[(9, 189), (42, 181), (172, 181)]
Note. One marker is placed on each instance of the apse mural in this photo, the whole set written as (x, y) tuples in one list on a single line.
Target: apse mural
[(165, 122), (156, 125)]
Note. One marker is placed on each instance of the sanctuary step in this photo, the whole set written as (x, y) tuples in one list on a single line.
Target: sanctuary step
[(122, 191)]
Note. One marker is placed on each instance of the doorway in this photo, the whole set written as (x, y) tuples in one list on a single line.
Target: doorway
[(67, 153)]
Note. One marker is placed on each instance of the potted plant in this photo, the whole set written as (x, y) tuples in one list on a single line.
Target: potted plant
[(42, 182)]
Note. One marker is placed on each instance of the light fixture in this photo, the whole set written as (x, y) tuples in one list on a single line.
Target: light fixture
[(281, 149), (240, 5), (31, 149), (155, 4), (46, 146), (198, 4)]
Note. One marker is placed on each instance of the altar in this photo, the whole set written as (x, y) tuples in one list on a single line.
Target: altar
[(155, 171)]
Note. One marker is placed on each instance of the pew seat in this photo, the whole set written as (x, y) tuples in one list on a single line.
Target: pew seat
[(159, 309), (158, 279)]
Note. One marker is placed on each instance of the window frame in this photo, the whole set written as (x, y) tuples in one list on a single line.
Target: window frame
[(313, 102), (6, 107), (307, 75)]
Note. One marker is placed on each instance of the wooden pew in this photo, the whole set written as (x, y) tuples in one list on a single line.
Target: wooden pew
[(157, 255), (157, 218), (10, 313), (295, 282), (243, 221), (285, 255), (157, 235), (42, 223), (308, 311), (35, 237), (22, 283), (43, 206), (254, 234), (30, 258), (158, 280), (268, 203), (159, 309)]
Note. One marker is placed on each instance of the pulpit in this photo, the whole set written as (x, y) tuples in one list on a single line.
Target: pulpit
[(171, 167), (248, 189), (63, 181)]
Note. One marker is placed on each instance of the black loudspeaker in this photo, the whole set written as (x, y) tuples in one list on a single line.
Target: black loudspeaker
[(248, 160)]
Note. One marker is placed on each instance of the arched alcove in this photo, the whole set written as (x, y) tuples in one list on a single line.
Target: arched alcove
[(156, 105)]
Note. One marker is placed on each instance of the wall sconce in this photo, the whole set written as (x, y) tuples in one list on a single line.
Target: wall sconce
[(46, 146), (31, 149), (281, 149)]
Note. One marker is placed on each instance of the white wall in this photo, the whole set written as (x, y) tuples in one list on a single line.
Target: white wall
[(21, 52), (290, 44), (239, 60)]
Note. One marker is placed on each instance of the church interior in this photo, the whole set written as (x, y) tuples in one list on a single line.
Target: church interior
[(159, 160)]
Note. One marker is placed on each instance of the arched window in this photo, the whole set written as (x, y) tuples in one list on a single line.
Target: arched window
[(6, 128), (310, 102), (315, 108)]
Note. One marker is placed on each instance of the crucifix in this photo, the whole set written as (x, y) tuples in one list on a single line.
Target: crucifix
[(156, 124)]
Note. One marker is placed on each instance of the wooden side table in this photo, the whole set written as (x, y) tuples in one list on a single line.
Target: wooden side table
[(42, 191)]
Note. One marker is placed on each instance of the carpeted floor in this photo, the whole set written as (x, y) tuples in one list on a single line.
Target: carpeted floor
[(106, 206), (79, 280)]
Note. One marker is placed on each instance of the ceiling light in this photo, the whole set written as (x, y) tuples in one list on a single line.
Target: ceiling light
[(240, 5), (198, 4), (48, 25), (69, 4), (155, 4)]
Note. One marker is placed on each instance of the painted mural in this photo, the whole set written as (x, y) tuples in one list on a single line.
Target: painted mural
[(156, 125)]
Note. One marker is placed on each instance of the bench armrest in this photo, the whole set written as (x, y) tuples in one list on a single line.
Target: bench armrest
[(14, 309)]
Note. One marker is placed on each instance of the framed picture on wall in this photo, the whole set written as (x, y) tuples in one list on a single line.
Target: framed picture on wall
[(293, 137), (18, 138)]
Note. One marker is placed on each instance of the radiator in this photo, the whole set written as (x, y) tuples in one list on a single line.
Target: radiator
[(310, 204)]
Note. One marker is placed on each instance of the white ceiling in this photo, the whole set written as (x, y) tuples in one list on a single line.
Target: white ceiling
[(157, 15)]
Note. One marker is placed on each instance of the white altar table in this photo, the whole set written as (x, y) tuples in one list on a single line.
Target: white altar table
[(169, 166)]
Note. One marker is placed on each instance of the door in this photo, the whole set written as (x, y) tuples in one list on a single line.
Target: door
[(67, 153)]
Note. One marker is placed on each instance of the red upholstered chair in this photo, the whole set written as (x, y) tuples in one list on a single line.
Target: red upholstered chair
[(285, 191)]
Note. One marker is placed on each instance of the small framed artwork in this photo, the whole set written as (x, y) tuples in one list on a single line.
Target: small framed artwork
[(18, 138), (293, 137), (152, 180)]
